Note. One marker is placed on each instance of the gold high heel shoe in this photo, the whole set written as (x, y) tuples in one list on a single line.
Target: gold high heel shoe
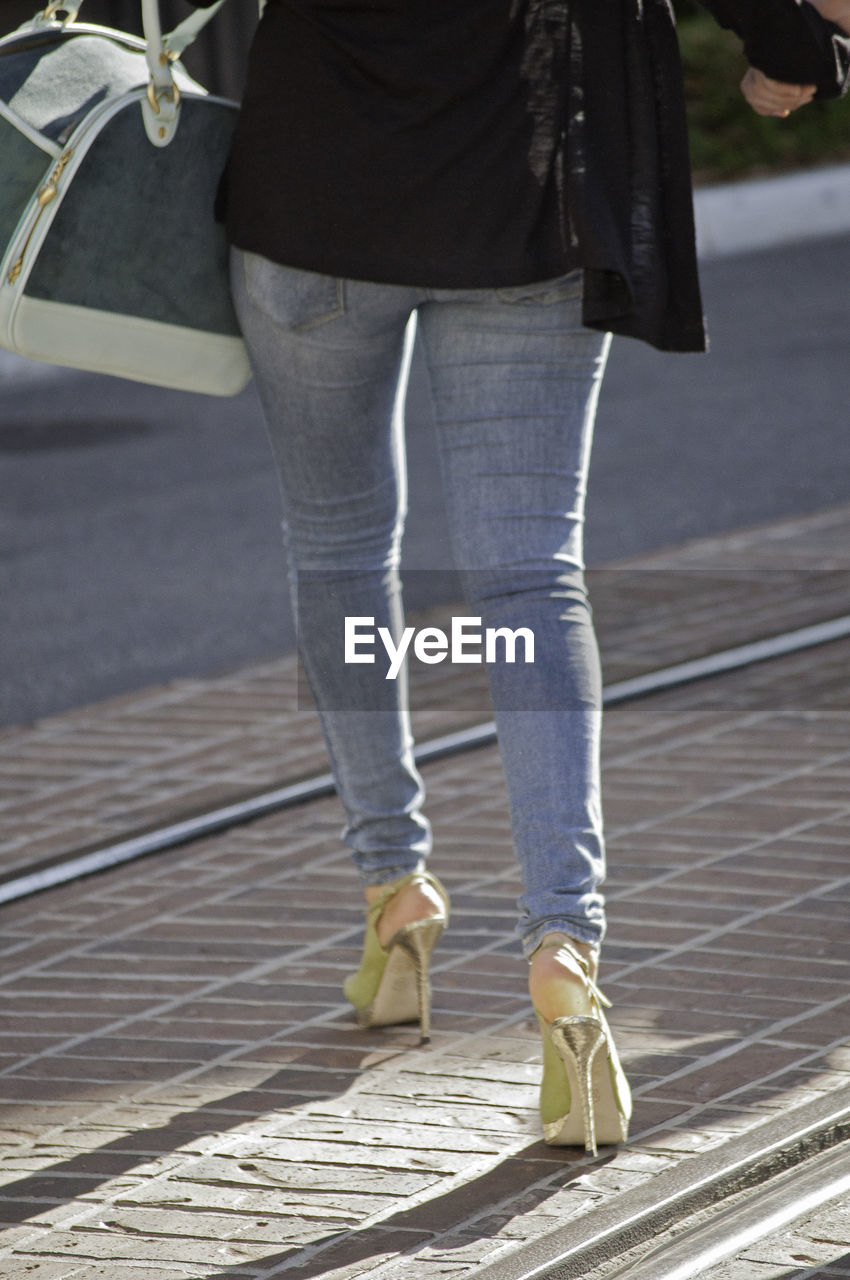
[(392, 983), (585, 1098)]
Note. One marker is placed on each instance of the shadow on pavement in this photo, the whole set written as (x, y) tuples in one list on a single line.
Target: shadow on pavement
[(289, 1088)]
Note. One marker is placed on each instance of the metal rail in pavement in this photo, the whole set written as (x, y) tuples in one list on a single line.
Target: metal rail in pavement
[(752, 1160), (73, 865)]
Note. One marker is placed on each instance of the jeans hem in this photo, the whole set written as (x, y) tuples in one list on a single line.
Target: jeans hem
[(386, 875), (585, 931)]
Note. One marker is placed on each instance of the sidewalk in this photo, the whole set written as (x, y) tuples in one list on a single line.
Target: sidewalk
[(105, 772), (185, 1094)]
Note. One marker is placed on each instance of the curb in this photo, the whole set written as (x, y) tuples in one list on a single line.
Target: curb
[(762, 213)]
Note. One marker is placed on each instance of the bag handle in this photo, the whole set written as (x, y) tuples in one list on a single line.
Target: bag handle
[(187, 31), (161, 108)]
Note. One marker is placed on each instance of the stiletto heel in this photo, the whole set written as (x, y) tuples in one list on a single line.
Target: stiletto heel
[(397, 999), (584, 1095), (392, 982)]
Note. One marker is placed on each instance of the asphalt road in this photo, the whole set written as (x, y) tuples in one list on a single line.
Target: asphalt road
[(139, 534)]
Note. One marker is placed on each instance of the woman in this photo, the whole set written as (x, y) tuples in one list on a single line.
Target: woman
[(514, 173)]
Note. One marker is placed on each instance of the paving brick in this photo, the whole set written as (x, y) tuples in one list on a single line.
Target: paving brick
[(101, 1246), (321, 1206), (792, 1249), (724, 1077), (216, 1092), (747, 1269), (50, 1269), (353, 1257)]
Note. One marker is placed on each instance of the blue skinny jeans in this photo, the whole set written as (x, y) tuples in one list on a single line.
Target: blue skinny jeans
[(515, 380)]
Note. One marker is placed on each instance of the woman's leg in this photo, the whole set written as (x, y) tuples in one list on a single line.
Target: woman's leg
[(515, 381), (331, 361)]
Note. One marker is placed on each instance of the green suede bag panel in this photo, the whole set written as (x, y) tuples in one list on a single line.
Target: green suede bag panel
[(135, 232), (24, 168)]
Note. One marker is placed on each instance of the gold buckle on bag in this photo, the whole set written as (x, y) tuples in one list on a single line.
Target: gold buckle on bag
[(170, 93), (56, 7)]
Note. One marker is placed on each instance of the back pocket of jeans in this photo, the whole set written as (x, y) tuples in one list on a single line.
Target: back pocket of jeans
[(292, 298)]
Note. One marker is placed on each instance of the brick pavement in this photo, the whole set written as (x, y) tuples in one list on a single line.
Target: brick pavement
[(185, 1095), (100, 773)]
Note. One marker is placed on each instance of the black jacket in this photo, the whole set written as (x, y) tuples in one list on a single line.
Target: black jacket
[(628, 184), (634, 194)]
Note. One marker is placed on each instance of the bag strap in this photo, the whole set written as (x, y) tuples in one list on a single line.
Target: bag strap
[(161, 108), (174, 43), (186, 32)]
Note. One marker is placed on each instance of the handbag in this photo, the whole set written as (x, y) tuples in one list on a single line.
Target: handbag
[(112, 260)]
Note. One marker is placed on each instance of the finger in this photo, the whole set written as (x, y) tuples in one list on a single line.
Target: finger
[(764, 104), (800, 95), (788, 106), (779, 86), (789, 96), (775, 93)]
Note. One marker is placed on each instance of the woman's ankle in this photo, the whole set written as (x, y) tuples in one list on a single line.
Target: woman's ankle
[(413, 901), (589, 951), (555, 981)]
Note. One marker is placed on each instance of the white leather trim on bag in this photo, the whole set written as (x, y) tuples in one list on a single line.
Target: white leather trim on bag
[(32, 135), (35, 222), (164, 355)]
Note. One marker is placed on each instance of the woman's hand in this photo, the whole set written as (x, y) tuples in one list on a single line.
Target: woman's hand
[(772, 97), (837, 11)]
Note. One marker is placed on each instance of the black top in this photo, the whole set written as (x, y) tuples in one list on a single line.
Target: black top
[(493, 142), (407, 141)]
